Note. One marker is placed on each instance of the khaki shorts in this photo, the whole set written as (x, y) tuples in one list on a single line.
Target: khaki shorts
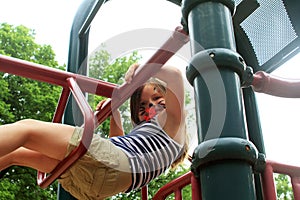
[(102, 172)]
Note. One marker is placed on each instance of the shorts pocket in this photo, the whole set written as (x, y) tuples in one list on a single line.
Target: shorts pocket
[(83, 173), (65, 180), (105, 152), (105, 183)]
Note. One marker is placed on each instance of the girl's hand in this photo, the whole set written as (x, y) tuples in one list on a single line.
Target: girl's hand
[(130, 72), (100, 104)]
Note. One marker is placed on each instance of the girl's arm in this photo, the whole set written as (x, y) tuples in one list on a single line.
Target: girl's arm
[(175, 118), (269, 84), (174, 114), (115, 126)]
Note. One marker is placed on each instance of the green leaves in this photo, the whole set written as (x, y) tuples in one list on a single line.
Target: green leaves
[(22, 98), (283, 187)]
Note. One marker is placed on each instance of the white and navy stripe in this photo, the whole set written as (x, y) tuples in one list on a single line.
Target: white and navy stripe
[(150, 151)]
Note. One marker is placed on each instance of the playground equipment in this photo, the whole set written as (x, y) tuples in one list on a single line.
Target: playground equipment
[(237, 37)]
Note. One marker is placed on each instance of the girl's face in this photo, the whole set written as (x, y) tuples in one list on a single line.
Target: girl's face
[(150, 97)]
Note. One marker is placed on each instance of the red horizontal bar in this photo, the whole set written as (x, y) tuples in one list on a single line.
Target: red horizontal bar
[(54, 76)]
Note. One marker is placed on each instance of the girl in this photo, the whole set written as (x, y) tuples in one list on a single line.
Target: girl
[(119, 164)]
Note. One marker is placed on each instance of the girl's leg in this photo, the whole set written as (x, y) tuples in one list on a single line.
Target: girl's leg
[(28, 158), (50, 139)]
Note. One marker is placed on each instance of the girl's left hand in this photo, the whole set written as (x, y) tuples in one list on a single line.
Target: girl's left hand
[(100, 104), (130, 72)]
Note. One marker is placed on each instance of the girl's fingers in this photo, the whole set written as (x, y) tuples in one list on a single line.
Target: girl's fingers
[(99, 105), (130, 73)]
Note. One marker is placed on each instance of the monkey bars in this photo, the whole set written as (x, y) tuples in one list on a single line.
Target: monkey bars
[(78, 84)]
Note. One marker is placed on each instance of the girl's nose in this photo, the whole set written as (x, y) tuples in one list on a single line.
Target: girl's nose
[(150, 105)]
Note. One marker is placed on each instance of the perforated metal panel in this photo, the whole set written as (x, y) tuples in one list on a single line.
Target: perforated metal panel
[(268, 32)]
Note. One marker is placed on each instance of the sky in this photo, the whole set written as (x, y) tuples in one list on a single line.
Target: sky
[(52, 21)]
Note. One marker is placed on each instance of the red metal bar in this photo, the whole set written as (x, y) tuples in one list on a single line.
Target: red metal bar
[(144, 192), (43, 180), (54, 76), (268, 179), (268, 183), (176, 185), (178, 195), (196, 189), (296, 187), (60, 108)]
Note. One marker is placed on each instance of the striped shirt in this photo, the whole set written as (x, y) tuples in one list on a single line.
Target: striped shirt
[(150, 151)]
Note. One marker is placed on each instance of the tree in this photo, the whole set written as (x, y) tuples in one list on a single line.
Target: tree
[(283, 187), (22, 98)]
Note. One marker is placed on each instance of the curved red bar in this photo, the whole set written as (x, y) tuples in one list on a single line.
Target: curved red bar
[(44, 180)]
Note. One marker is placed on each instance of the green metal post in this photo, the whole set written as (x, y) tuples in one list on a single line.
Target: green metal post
[(224, 158), (253, 121), (255, 133)]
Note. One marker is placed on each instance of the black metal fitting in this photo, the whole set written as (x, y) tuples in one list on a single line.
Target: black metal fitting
[(260, 164), (247, 78), (215, 59)]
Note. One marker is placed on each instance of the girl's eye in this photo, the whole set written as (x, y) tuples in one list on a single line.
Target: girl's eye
[(162, 101), (158, 97)]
